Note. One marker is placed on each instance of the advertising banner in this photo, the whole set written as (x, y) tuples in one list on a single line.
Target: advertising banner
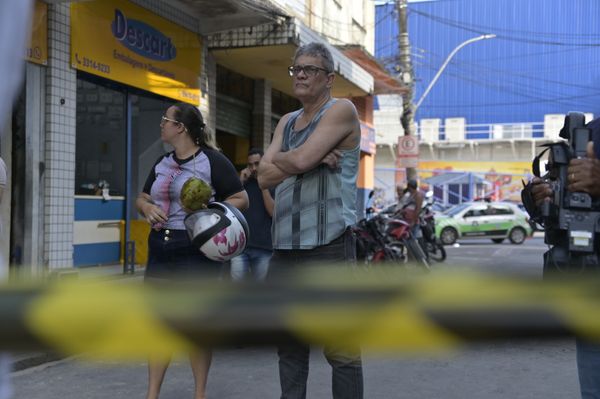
[(37, 51), (123, 42), (502, 180)]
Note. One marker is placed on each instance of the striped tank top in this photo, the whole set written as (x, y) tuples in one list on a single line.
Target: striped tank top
[(314, 208)]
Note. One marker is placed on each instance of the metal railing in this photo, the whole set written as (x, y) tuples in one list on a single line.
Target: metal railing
[(489, 131)]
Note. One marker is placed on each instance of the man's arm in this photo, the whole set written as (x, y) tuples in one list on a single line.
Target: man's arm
[(338, 126), (270, 175), (239, 200), (268, 201)]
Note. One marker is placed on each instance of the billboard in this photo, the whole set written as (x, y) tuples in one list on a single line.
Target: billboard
[(497, 180)]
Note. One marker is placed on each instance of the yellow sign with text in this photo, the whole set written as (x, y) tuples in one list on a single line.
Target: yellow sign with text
[(126, 43), (37, 51)]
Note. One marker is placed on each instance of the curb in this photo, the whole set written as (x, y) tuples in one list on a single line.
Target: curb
[(24, 361)]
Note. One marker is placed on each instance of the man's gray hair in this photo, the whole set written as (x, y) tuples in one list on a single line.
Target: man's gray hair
[(315, 49)]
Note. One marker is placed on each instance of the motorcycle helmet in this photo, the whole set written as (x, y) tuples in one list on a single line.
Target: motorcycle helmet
[(220, 231)]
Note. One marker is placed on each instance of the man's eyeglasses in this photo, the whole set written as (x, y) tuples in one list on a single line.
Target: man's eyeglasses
[(164, 119), (309, 70)]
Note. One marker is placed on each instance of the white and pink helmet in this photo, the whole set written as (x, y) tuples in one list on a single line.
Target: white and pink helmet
[(220, 231)]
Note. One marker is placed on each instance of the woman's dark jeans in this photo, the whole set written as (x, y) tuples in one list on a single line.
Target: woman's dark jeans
[(347, 377)]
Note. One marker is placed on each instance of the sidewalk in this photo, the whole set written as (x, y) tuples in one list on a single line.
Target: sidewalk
[(27, 360), (107, 272)]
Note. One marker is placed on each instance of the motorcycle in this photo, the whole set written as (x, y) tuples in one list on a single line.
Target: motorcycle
[(386, 236), (431, 245), (370, 242), (401, 240)]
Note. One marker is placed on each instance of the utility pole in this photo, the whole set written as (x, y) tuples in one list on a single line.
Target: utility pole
[(407, 76)]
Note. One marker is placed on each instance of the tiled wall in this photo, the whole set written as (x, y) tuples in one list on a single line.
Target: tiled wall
[(60, 142)]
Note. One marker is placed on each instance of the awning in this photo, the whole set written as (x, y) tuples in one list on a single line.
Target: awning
[(455, 178), (265, 52), (214, 16)]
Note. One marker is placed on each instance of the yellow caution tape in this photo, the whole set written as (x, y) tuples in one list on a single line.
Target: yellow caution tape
[(103, 321), (393, 313)]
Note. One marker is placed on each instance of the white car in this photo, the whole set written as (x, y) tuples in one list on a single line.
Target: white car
[(493, 220)]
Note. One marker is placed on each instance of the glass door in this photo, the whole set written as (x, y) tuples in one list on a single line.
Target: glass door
[(100, 178), (117, 144)]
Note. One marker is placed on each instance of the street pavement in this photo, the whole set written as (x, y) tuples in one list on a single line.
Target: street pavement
[(532, 368), (525, 369)]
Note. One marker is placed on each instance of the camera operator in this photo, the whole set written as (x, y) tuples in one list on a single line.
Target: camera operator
[(583, 176)]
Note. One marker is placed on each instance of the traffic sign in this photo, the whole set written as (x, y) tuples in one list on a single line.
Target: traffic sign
[(407, 152)]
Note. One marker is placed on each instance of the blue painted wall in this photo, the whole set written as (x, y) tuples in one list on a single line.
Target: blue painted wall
[(98, 210), (546, 58)]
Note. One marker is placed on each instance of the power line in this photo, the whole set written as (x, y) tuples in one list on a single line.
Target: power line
[(476, 66), (496, 29), (512, 103), (532, 99), (485, 30), (508, 86)]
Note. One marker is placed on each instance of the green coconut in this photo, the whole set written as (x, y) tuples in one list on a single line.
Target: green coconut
[(195, 194)]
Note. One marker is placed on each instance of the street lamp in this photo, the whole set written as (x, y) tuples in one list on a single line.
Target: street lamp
[(437, 75)]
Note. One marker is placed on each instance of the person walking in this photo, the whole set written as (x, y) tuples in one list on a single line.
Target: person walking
[(254, 261), (171, 255), (412, 205), (313, 161)]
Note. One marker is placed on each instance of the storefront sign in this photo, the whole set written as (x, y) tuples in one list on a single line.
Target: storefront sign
[(37, 51), (367, 138), (126, 43), (408, 152)]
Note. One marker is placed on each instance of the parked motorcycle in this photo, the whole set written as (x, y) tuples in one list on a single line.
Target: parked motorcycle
[(388, 237), (431, 245), (370, 243)]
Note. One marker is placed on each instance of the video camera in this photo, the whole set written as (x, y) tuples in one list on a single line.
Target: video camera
[(571, 218)]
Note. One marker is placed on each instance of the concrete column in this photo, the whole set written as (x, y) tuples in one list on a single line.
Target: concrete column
[(208, 86), (261, 114), (33, 228), (59, 182)]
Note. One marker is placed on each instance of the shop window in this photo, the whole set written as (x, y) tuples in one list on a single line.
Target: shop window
[(235, 85), (101, 140)]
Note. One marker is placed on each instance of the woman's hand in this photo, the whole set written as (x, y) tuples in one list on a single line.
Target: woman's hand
[(149, 210), (154, 213)]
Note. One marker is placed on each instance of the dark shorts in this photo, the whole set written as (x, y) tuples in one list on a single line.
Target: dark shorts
[(171, 255)]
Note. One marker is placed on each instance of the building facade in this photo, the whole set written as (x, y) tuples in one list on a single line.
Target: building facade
[(258, 57), (85, 130)]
